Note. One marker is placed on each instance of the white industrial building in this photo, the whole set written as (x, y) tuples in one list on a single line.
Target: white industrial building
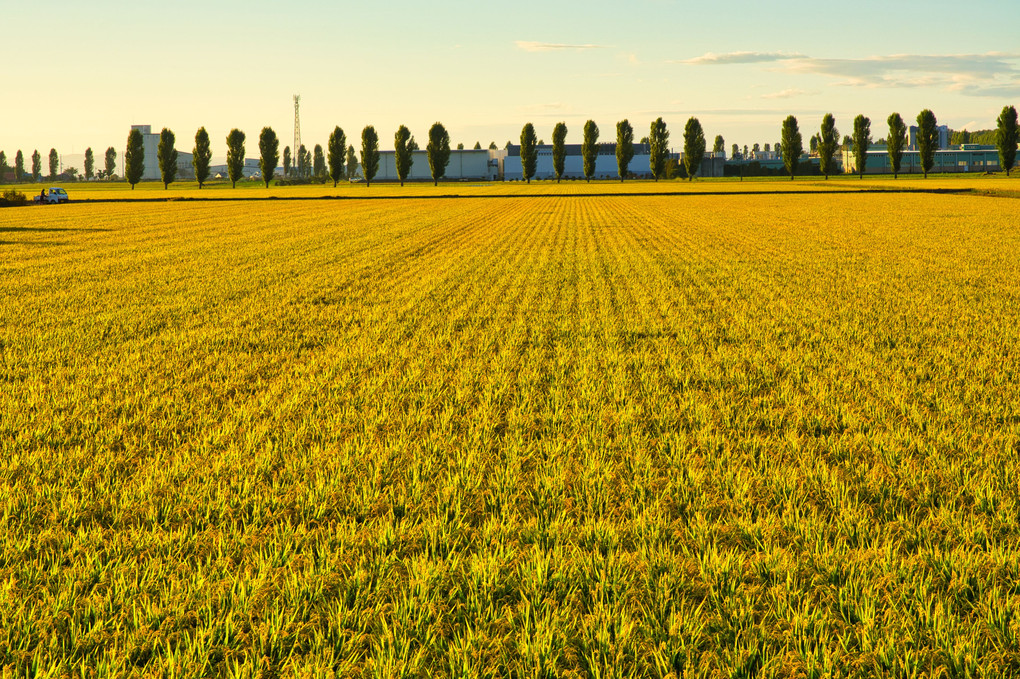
[(150, 142), (943, 135), (251, 168), (465, 164), (185, 168)]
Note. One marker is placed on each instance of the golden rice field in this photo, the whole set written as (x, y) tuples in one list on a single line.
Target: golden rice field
[(563, 436)]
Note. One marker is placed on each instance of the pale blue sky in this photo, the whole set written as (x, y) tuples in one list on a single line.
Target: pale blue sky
[(484, 69)]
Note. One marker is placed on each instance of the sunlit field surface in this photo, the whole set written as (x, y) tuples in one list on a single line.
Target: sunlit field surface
[(603, 436)]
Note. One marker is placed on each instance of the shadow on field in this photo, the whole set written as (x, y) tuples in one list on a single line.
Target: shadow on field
[(43, 243), (41, 229), (529, 196)]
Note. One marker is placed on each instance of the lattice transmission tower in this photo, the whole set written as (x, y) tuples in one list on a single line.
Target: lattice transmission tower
[(297, 126)]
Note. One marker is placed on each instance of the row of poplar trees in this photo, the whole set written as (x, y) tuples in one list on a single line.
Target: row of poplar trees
[(791, 146), (340, 157), (166, 156), (343, 161), (54, 162), (658, 148), (896, 141)]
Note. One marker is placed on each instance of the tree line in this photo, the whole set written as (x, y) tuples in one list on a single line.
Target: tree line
[(342, 161), (657, 140), (20, 172), (790, 147), (340, 157)]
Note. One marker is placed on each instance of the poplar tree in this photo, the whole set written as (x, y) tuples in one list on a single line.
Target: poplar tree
[(235, 156), (896, 142), (559, 149), (719, 146), (658, 151), (90, 164), (166, 157), (694, 147), (1006, 138), (3, 164), (624, 147), (927, 139), (529, 151), (439, 151), (828, 142), (402, 153), (589, 149), (36, 166), (201, 156), (352, 162), (269, 154), (369, 154), (792, 144), (318, 162), (54, 164), (134, 158), (286, 161), (337, 154), (19, 166), (304, 162), (110, 162), (862, 140)]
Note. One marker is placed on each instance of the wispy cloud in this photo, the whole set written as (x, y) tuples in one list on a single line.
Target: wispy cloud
[(911, 70), (787, 93), (711, 58), (530, 46), (992, 74), (549, 109), (1002, 91)]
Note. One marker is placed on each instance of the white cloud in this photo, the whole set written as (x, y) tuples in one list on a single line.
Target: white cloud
[(787, 93), (992, 74), (549, 109), (711, 58), (531, 46)]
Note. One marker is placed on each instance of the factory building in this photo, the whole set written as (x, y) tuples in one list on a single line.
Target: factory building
[(185, 168), (961, 158), (150, 142), (465, 164), (942, 132)]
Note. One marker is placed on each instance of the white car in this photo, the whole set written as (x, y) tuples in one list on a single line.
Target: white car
[(53, 196)]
